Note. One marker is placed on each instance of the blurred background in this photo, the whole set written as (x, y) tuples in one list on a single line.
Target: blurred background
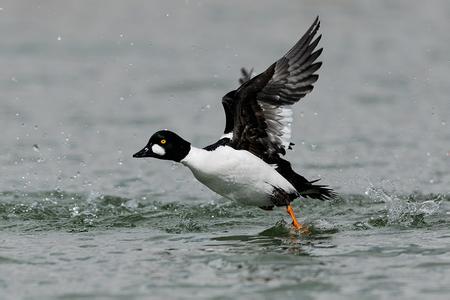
[(85, 84)]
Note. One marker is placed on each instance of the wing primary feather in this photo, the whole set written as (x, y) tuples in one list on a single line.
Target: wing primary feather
[(305, 39), (300, 57), (262, 115)]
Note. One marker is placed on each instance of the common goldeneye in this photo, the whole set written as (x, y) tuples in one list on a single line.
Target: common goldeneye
[(246, 163)]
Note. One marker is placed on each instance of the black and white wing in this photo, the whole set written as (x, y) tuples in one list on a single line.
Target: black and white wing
[(262, 106), (229, 106), (229, 102)]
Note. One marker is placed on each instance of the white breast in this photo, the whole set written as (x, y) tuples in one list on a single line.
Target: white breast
[(236, 174)]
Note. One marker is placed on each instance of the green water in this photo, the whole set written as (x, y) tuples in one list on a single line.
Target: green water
[(84, 86), (70, 246)]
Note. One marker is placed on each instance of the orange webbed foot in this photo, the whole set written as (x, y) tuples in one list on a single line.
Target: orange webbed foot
[(298, 227)]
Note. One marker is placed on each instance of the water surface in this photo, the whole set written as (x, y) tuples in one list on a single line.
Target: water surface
[(84, 86)]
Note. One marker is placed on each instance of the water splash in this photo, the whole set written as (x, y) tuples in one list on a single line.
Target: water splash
[(60, 210), (409, 210)]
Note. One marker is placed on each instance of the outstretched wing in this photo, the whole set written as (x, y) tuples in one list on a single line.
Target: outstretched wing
[(229, 100), (245, 75), (229, 105), (263, 113)]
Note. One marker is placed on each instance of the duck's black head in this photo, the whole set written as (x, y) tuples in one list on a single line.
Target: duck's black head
[(166, 145)]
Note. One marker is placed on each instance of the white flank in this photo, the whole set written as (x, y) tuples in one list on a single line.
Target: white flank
[(157, 149), (236, 174)]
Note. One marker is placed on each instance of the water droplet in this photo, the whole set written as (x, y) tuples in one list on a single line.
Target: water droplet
[(205, 107), (59, 38), (75, 211), (36, 147)]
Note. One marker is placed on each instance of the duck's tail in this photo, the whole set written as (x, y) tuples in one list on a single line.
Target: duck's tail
[(303, 186), (315, 191)]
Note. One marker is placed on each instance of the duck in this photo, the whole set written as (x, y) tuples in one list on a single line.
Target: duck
[(247, 163)]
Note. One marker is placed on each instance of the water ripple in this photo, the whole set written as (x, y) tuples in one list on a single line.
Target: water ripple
[(59, 210)]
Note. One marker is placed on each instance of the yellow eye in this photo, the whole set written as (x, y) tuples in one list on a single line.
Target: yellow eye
[(163, 141)]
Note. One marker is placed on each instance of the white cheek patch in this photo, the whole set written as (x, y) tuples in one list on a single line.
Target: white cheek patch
[(157, 149)]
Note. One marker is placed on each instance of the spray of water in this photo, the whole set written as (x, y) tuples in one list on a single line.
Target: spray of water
[(401, 210)]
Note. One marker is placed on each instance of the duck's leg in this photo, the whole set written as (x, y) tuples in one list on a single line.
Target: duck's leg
[(295, 223)]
